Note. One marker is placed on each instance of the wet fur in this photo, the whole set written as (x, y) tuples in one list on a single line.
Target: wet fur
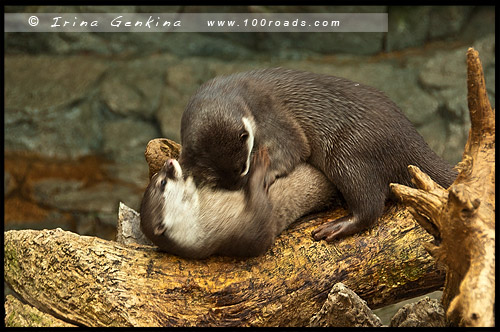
[(351, 132)]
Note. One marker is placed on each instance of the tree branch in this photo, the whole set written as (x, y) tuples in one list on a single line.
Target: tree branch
[(462, 218), (94, 282)]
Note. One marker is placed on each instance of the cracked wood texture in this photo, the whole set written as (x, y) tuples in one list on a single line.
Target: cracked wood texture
[(89, 281), (18, 314), (462, 217)]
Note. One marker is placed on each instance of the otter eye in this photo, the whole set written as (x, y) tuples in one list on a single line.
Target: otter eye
[(244, 136)]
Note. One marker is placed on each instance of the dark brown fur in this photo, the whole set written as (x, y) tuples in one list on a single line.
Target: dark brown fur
[(352, 132)]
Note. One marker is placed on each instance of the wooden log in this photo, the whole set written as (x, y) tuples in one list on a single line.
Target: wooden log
[(93, 282), (462, 217), (18, 314)]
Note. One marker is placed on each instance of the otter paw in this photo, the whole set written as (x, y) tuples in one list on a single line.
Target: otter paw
[(335, 229)]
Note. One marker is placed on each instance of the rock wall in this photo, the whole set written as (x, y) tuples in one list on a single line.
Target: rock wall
[(80, 108)]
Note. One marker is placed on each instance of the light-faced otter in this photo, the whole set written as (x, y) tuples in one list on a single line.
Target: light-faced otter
[(353, 133), (198, 222)]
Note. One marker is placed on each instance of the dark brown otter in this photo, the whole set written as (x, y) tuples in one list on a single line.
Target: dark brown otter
[(353, 133)]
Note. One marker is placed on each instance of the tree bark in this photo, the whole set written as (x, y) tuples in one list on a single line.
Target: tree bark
[(18, 314), (93, 282), (462, 217)]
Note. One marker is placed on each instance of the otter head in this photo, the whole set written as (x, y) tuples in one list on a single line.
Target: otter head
[(219, 154), (169, 208)]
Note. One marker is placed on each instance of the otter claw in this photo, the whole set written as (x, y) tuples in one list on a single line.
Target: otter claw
[(335, 229)]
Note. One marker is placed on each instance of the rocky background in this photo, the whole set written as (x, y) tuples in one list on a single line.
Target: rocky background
[(80, 108)]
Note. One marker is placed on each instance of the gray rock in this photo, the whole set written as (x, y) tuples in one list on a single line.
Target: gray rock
[(443, 70), (455, 142), (424, 313), (387, 312), (77, 42), (119, 43), (186, 75), (480, 23), (401, 86), (454, 101), (208, 45), (128, 228), (419, 106), (447, 21), (170, 113), (66, 132), (133, 172), (445, 76), (134, 89), (453, 121), (73, 196), (448, 68), (47, 108), (52, 219), (125, 140), (44, 191), (434, 132), (298, 46), (182, 80), (95, 224), (408, 26), (344, 308), (36, 83), (9, 183)]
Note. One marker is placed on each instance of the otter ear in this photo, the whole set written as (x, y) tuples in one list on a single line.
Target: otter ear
[(172, 169)]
